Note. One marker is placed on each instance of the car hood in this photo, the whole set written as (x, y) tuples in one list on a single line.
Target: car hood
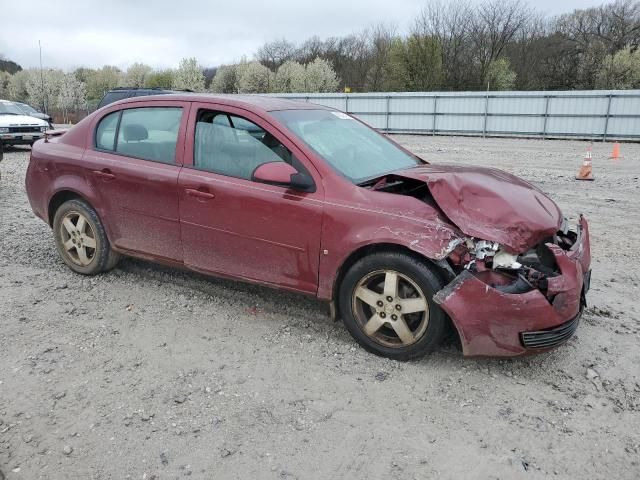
[(490, 204), (20, 121)]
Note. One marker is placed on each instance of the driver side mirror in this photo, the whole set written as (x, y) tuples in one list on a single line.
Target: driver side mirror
[(284, 175)]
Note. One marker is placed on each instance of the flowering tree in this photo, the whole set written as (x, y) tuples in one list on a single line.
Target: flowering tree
[(320, 76), (102, 80), (189, 76), (17, 86), (136, 75), (71, 96), (253, 77), (5, 78), (225, 79), (290, 78), (43, 87)]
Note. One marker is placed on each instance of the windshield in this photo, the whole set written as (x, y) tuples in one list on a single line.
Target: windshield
[(9, 109), (353, 149), (26, 108)]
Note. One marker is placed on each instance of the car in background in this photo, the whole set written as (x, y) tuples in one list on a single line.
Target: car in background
[(306, 198), (121, 93), (16, 128), (32, 112)]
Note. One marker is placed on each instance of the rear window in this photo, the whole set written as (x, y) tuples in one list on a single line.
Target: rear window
[(111, 97), (149, 133)]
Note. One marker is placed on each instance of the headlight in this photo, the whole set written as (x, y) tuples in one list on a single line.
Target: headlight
[(43, 129), (4, 130)]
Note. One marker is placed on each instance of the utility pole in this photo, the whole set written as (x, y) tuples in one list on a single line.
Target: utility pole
[(44, 94)]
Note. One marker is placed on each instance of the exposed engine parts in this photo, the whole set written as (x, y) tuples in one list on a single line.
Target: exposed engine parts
[(507, 272)]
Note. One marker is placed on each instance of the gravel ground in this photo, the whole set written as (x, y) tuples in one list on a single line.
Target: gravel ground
[(150, 372)]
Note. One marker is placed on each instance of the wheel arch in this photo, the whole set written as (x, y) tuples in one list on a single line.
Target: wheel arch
[(440, 267), (59, 198), (372, 248)]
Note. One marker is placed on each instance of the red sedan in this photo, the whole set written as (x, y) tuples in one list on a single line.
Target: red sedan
[(309, 199)]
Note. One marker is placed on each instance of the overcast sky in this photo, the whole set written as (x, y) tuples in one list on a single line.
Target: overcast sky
[(120, 32)]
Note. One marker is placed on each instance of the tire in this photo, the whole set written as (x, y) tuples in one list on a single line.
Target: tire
[(88, 236), (379, 324), (114, 258)]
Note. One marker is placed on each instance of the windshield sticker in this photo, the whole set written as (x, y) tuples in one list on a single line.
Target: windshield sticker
[(343, 116)]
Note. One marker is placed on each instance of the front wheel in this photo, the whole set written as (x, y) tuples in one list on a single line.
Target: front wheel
[(386, 302), (81, 239)]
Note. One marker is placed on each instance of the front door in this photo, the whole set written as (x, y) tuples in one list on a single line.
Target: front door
[(238, 227), (134, 165)]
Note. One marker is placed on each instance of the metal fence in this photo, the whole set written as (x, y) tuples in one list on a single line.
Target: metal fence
[(596, 114)]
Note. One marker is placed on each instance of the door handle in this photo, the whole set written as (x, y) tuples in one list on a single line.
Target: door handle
[(105, 174), (199, 193)]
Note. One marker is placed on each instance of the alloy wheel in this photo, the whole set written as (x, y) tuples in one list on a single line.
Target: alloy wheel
[(390, 308), (78, 238)]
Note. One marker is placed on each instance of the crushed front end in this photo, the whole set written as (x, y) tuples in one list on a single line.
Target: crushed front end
[(508, 304)]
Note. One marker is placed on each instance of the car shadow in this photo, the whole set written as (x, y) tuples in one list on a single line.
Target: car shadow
[(249, 297), (300, 308)]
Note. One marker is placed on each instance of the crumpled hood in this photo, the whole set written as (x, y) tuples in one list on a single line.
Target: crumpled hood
[(490, 204)]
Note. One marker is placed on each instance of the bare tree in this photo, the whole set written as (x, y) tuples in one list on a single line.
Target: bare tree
[(450, 24), (275, 53), (495, 24), (381, 38)]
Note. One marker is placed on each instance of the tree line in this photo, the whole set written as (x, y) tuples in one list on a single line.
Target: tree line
[(457, 46)]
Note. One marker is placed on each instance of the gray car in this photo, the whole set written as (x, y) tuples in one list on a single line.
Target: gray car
[(32, 112)]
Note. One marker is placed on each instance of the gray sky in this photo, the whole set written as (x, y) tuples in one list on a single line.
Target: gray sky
[(120, 32)]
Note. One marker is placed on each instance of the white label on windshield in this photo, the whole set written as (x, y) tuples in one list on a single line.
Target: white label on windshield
[(343, 116)]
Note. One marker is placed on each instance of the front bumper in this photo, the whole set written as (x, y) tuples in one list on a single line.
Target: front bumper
[(20, 138), (494, 323)]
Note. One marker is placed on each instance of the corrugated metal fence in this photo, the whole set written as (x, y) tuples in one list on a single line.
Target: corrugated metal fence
[(596, 114)]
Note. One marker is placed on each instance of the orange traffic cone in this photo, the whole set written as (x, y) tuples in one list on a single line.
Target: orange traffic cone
[(585, 170), (615, 155)]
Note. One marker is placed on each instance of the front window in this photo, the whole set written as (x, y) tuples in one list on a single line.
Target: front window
[(9, 109), (353, 149), (233, 146)]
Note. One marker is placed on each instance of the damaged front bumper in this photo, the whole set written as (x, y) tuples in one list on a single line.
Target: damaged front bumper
[(491, 321)]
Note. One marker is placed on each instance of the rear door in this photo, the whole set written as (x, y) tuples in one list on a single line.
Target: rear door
[(134, 164), (238, 227)]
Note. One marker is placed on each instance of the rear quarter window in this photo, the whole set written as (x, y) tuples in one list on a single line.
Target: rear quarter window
[(106, 132)]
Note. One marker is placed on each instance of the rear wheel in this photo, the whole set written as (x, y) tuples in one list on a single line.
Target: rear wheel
[(81, 239), (386, 304)]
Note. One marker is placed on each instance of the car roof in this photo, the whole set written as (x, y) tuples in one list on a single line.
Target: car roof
[(261, 102)]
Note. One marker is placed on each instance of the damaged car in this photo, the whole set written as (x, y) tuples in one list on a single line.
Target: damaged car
[(309, 199)]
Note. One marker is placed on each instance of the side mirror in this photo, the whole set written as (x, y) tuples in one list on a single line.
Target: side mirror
[(283, 175)]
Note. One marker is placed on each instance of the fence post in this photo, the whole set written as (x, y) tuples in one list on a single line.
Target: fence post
[(435, 111), (546, 115), (486, 111), (606, 120), (346, 102), (388, 113)]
